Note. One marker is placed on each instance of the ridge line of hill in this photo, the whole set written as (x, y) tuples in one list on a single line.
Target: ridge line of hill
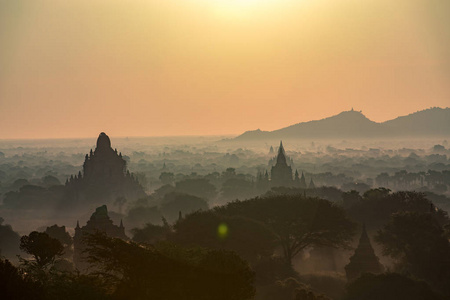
[(429, 122)]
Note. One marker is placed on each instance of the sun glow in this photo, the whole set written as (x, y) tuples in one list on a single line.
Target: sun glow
[(239, 8), (240, 3)]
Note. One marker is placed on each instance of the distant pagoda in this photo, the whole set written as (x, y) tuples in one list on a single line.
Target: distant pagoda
[(311, 186), (99, 222), (363, 260), (104, 179), (281, 173)]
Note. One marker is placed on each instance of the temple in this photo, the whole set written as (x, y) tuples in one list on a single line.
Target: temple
[(281, 173), (99, 222), (363, 260), (311, 184), (303, 181), (300, 182), (104, 163), (104, 179)]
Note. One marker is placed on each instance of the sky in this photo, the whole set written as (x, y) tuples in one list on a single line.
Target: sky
[(75, 68)]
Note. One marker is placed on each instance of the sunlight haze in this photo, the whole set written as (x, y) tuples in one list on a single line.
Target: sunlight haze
[(212, 67)]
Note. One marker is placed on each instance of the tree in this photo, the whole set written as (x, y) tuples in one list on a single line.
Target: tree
[(43, 248), (166, 178), (290, 289), (418, 243), (229, 173), (137, 271), (150, 234), (198, 187), (377, 206), (248, 238), (60, 233), (296, 221), (389, 286), (163, 190), (14, 284), (173, 203), (351, 198), (355, 186), (9, 240), (69, 286), (50, 180), (383, 179), (235, 188), (139, 215)]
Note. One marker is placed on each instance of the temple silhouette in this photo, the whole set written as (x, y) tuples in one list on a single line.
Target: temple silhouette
[(281, 173), (363, 260), (104, 178), (300, 182), (99, 222)]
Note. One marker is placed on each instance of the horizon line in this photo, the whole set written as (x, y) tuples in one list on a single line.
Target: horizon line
[(214, 135)]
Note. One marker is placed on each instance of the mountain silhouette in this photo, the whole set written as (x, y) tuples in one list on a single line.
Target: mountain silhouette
[(353, 124)]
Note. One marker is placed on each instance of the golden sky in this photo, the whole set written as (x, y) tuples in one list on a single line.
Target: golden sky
[(75, 68)]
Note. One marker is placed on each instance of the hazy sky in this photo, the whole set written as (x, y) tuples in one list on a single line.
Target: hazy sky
[(203, 67)]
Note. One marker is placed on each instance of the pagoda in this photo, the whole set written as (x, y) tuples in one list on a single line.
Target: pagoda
[(281, 173), (99, 222), (363, 260), (104, 179)]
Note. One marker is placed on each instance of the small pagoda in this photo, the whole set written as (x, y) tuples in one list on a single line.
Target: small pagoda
[(363, 260), (99, 222)]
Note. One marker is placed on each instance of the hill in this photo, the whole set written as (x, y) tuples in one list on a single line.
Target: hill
[(353, 124)]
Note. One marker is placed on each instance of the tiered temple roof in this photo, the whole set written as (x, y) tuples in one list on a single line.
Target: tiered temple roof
[(281, 173), (99, 222), (364, 259), (104, 179)]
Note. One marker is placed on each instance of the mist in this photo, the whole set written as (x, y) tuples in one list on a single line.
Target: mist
[(225, 149)]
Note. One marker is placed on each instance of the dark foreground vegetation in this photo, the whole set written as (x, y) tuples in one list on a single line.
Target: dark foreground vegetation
[(245, 250)]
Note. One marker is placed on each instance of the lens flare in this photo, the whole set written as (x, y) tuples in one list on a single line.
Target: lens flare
[(222, 230)]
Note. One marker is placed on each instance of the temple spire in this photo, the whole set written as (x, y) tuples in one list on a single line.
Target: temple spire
[(281, 157), (281, 148), (364, 259), (311, 184), (281, 173), (303, 181)]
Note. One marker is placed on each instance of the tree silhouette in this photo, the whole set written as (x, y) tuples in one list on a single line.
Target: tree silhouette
[(390, 286), (173, 203), (235, 188), (248, 238), (42, 247), (418, 243), (9, 240), (198, 187), (377, 205), (167, 178), (14, 284), (150, 233), (137, 271), (297, 222)]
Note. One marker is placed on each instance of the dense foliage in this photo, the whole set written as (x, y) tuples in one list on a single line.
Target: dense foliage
[(137, 271), (389, 286), (296, 221), (419, 245)]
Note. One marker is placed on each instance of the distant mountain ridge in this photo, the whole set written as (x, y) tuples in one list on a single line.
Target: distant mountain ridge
[(353, 124)]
